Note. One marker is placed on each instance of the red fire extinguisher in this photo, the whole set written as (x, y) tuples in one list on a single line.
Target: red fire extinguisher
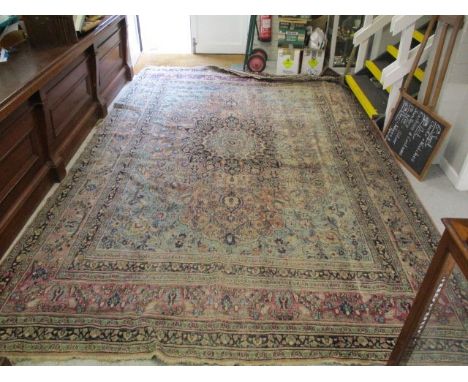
[(264, 29)]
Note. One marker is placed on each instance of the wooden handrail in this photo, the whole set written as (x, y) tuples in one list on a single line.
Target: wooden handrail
[(393, 72), (367, 32), (401, 22)]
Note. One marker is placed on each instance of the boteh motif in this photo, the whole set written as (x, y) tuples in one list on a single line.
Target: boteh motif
[(220, 219)]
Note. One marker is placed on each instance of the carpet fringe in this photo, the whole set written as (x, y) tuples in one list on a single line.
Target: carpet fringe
[(162, 359)]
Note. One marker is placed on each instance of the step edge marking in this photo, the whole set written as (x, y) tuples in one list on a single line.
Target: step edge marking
[(370, 110)]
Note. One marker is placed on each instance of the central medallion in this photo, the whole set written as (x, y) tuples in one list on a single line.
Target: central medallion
[(231, 201), (240, 155), (233, 145)]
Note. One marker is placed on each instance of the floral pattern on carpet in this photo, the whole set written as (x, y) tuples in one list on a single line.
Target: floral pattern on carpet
[(220, 219)]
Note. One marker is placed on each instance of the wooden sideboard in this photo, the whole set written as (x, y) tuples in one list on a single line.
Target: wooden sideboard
[(49, 101)]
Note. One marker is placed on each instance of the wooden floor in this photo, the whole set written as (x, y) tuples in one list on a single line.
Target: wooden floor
[(156, 59)]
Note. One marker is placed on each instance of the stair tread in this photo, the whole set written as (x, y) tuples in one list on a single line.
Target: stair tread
[(392, 50), (377, 96), (382, 62), (418, 35), (422, 29), (413, 88), (414, 43), (386, 59)]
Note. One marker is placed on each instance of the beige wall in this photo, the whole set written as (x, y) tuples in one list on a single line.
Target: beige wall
[(453, 106)]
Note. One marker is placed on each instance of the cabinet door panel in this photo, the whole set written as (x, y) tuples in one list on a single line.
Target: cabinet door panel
[(66, 97), (16, 164), (71, 104), (110, 42), (20, 151), (111, 60), (66, 82), (70, 108)]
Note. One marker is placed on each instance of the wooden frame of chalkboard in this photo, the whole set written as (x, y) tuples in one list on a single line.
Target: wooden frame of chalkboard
[(415, 155)]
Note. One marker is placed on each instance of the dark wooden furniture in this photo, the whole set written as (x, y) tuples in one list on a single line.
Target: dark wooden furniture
[(452, 249), (50, 99)]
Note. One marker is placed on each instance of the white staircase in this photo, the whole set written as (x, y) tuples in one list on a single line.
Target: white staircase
[(377, 79)]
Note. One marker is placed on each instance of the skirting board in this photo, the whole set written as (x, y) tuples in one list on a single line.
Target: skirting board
[(459, 180)]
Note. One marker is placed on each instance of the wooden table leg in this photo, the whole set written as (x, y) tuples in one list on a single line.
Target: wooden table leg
[(439, 270)]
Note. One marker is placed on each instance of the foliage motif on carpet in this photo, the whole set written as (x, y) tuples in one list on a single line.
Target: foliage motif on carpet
[(215, 218)]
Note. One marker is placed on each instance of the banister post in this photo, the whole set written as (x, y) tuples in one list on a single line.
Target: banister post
[(402, 58), (391, 73), (362, 52)]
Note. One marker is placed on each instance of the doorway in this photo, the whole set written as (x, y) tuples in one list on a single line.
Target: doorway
[(166, 34), (182, 34), (168, 40)]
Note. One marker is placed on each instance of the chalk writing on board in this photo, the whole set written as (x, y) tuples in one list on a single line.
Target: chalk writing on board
[(413, 134)]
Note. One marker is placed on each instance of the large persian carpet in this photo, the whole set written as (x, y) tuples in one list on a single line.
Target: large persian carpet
[(219, 219)]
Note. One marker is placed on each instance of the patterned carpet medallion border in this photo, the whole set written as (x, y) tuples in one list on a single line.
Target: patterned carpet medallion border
[(215, 218)]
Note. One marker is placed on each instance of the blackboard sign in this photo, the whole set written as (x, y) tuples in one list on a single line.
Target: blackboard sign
[(414, 134)]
